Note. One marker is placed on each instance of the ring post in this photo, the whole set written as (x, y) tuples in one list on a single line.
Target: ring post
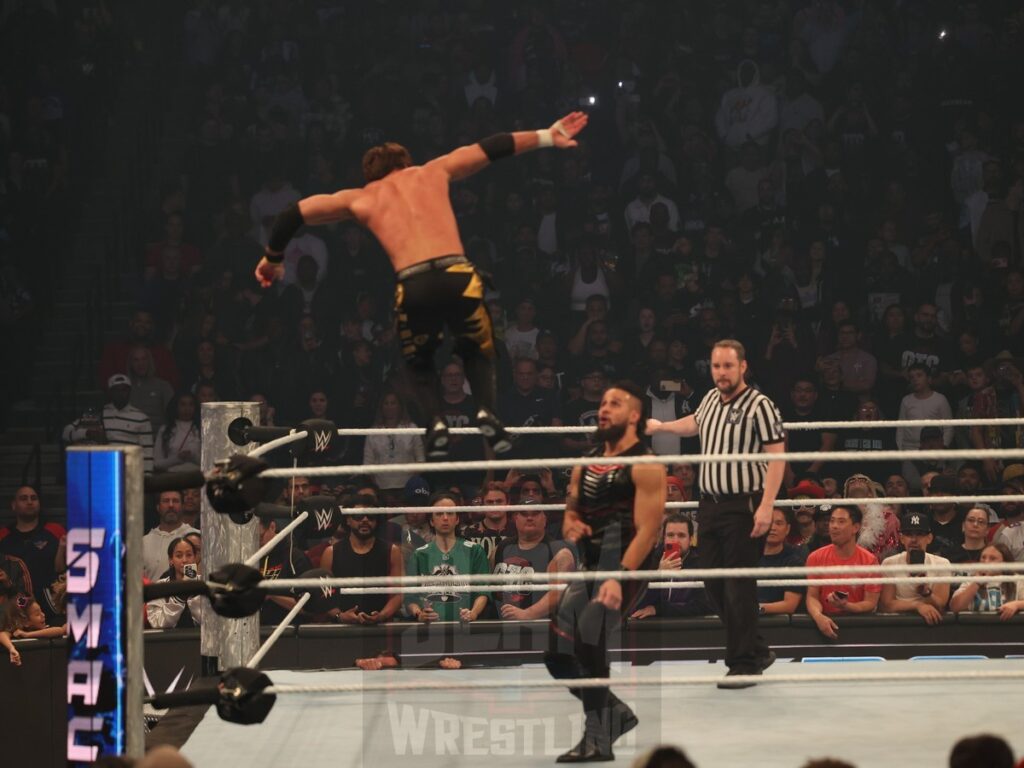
[(104, 590), (231, 641)]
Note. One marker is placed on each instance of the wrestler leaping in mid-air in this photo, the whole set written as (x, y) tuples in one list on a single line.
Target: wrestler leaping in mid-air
[(407, 207)]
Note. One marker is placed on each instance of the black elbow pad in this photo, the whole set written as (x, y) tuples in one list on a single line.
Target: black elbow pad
[(498, 146)]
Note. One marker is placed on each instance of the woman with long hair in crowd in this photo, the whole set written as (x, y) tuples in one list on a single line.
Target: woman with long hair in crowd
[(985, 593), (386, 448), (171, 612), (179, 441)]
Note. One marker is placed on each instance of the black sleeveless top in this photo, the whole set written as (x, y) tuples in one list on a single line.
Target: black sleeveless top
[(348, 563), (606, 496)]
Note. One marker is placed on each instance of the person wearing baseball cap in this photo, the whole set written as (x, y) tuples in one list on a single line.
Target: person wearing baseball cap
[(119, 422), (416, 530), (582, 411), (804, 529), (674, 487), (928, 600)]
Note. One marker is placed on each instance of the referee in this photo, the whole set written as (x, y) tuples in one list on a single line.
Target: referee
[(736, 503)]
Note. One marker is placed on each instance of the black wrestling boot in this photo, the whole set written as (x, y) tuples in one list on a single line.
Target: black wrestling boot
[(623, 719), (595, 746), (493, 431), (437, 439)]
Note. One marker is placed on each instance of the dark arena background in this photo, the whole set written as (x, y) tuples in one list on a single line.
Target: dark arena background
[(418, 305)]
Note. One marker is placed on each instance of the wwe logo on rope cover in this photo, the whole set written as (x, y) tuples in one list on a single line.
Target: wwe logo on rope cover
[(324, 519), (321, 441)]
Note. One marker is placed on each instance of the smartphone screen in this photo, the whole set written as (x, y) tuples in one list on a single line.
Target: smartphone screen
[(190, 571)]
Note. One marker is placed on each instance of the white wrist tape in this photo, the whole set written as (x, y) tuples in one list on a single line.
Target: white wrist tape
[(544, 138)]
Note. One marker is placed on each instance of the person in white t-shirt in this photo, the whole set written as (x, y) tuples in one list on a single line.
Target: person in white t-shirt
[(521, 338), (929, 600)]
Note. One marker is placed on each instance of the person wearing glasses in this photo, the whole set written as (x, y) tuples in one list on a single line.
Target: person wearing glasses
[(804, 528), (975, 527), (363, 553)]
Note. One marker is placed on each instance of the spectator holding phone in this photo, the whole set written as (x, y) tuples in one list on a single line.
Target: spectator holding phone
[(171, 612), (833, 599), (929, 600), (676, 554)]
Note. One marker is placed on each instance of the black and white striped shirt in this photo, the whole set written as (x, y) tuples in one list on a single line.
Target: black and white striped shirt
[(743, 425)]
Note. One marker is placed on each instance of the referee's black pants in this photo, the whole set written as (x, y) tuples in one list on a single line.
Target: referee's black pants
[(724, 541)]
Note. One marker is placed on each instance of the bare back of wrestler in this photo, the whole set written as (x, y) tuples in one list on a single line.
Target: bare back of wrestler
[(407, 208)]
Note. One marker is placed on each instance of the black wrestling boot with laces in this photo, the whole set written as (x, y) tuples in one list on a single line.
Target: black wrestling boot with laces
[(437, 440), (595, 746), (623, 719), (493, 431)]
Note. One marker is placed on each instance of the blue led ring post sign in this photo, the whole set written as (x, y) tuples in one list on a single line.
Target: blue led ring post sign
[(104, 589)]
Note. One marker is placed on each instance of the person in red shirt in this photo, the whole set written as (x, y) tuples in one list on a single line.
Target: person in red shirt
[(41, 546), (833, 599), (187, 258), (114, 357)]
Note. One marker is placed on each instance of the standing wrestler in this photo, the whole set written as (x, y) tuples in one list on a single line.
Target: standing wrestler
[(613, 514), (408, 208), (737, 499)]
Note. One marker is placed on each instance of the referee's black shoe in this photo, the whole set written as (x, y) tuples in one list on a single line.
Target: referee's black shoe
[(437, 440), (735, 685)]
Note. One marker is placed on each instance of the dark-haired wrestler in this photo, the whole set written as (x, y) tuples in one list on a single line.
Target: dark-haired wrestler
[(613, 514), (407, 207)]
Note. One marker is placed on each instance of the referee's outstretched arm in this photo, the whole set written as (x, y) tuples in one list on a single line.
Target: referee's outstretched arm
[(684, 427)]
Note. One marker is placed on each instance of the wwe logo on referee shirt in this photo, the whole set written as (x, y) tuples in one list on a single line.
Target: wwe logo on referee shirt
[(322, 440)]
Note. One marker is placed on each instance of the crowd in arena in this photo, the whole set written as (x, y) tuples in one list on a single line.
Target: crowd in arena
[(837, 184)]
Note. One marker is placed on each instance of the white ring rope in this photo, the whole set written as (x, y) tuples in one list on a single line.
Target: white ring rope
[(277, 442), (884, 500), (790, 425), (278, 631), (455, 683), (553, 463), (294, 436), (267, 548), (556, 587), (470, 580)]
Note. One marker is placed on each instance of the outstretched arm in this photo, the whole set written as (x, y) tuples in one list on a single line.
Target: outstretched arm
[(467, 160), (316, 209)]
